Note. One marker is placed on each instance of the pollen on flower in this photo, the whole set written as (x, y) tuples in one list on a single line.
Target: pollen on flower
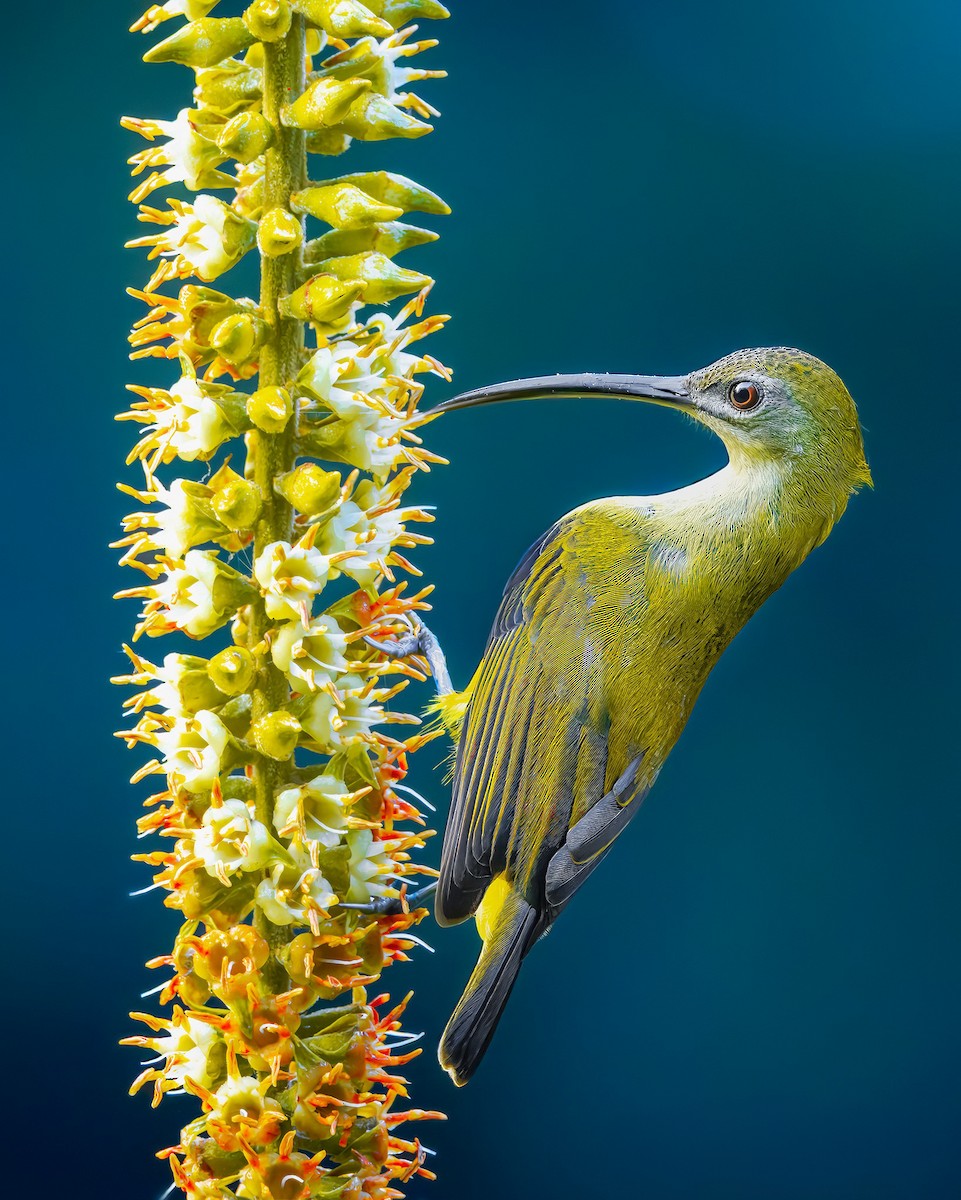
[(270, 516)]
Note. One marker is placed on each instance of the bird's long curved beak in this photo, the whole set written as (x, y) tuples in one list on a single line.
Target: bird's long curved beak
[(670, 390)]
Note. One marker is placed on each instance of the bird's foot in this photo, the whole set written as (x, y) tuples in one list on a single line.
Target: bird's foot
[(420, 641), (392, 906)]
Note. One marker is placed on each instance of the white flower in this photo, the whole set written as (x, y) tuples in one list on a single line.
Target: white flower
[(301, 652), (186, 521), (193, 10), (290, 577), (207, 237), (369, 441), (188, 423), (190, 156), (372, 538), (193, 750), (332, 724), (185, 1046), (231, 839), (338, 377), (317, 810), (368, 862), (350, 378), (389, 79), (296, 893), (197, 597)]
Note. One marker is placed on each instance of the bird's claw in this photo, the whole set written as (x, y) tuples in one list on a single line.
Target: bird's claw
[(400, 647), (421, 641), (393, 906)]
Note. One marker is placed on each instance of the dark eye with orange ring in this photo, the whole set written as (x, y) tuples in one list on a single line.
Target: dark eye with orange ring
[(744, 395)]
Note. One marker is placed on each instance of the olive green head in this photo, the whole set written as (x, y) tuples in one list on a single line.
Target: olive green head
[(779, 403), (772, 405)]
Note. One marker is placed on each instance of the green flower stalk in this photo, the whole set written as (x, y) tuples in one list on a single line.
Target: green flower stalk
[(283, 802)]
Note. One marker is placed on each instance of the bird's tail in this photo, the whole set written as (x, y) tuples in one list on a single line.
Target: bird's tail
[(471, 1027)]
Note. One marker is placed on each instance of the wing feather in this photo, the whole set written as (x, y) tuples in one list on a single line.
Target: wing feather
[(534, 750)]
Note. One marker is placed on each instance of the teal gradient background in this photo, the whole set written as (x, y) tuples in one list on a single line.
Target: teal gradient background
[(758, 996)]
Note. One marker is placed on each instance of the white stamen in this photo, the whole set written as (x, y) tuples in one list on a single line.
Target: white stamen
[(154, 990)]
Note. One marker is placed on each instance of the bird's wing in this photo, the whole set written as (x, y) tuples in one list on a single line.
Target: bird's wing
[(544, 770)]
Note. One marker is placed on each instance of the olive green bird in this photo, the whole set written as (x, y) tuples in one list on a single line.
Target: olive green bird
[(607, 630)]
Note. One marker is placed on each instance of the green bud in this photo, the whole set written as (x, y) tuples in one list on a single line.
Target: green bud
[(343, 18), (238, 338), (375, 119), (194, 686), (389, 239), (385, 280), (276, 734), (326, 102), (268, 20), (270, 408), (343, 206), (322, 299), (396, 190), (399, 12), (327, 141), (246, 136), (226, 88), (309, 488), (232, 670), (238, 787), (203, 43), (279, 232), (237, 504)]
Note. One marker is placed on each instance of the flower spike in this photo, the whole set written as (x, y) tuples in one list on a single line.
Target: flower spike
[(269, 515)]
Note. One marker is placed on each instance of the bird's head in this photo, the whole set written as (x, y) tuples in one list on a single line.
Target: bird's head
[(774, 405)]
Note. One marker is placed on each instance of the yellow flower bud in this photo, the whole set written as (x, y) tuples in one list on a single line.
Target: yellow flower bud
[(237, 504), (268, 20), (246, 136), (326, 102), (374, 119), (237, 338), (389, 238), (343, 206), (385, 280), (327, 141), (322, 299), (230, 87), (279, 232), (276, 734), (203, 43), (309, 488), (232, 670), (390, 188), (343, 18), (270, 408), (399, 12)]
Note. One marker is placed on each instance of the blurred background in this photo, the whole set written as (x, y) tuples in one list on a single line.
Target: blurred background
[(758, 995)]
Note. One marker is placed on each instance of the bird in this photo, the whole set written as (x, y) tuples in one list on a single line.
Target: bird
[(605, 635)]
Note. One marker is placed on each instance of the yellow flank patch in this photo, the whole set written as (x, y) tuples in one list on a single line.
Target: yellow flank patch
[(490, 907), (451, 708)]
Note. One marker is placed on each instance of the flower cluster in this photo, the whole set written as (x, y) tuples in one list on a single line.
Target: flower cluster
[(281, 804)]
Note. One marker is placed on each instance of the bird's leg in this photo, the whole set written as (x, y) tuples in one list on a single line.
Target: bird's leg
[(392, 906), (421, 641)]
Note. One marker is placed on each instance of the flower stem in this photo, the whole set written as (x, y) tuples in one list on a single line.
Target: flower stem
[(273, 454)]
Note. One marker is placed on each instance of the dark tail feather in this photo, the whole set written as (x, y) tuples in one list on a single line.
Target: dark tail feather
[(475, 1018)]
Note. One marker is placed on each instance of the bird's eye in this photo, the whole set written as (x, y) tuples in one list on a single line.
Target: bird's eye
[(744, 395)]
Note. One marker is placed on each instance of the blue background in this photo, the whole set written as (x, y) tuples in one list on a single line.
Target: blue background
[(758, 996)]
